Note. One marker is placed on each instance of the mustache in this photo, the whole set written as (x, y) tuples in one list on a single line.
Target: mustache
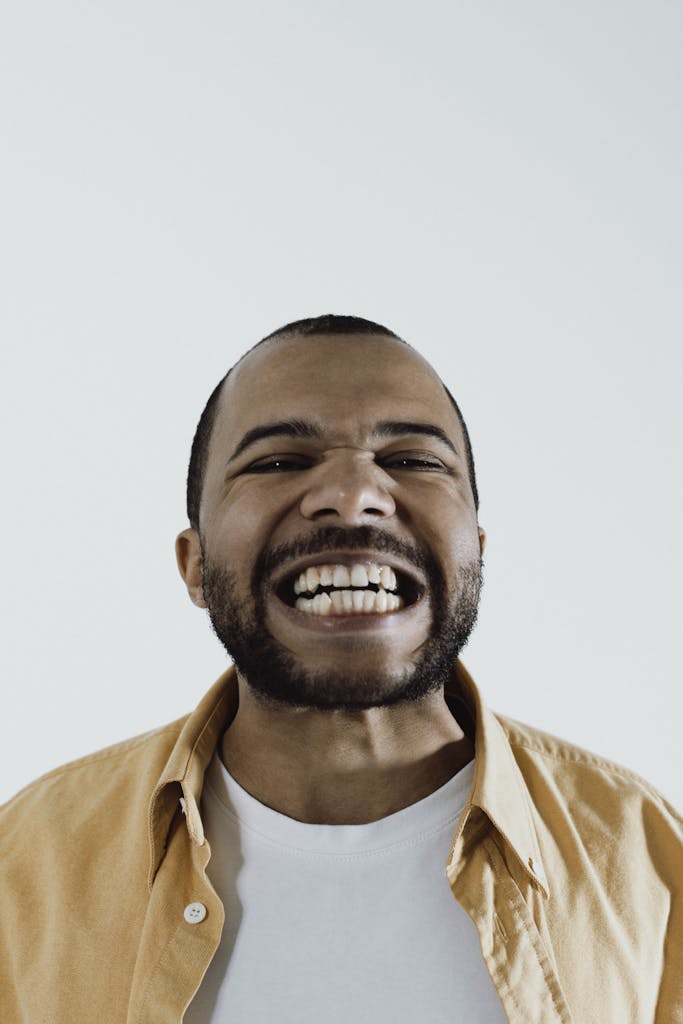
[(350, 538)]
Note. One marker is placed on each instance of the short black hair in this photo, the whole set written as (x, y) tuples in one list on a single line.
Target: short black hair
[(328, 324)]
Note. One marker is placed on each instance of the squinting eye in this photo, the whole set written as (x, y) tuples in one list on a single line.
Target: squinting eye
[(405, 462), (275, 466)]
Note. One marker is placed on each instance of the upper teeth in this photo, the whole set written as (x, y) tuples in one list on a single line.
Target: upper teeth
[(356, 575)]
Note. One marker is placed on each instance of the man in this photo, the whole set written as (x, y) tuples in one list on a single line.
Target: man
[(342, 830)]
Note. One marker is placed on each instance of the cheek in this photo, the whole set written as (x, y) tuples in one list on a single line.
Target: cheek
[(454, 554), (256, 505), (437, 500), (233, 547), (446, 524), (244, 518), (464, 546), (242, 528)]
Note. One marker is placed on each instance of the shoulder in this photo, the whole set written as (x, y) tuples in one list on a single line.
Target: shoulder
[(115, 779), (567, 780)]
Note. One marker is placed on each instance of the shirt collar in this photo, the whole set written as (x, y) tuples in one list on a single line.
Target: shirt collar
[(498, 787), (184, 771)]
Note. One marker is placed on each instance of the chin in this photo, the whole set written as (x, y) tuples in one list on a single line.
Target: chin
[(332, 688)]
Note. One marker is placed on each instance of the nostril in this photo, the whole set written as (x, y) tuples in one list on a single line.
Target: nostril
[(320, 512)]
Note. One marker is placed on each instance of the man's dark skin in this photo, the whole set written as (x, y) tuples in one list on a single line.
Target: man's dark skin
[(333, 764)]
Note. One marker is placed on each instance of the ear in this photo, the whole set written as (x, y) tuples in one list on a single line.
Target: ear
[(482, 540), (188, 553)]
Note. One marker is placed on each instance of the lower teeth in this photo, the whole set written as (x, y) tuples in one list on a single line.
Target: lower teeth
[(350, 602)]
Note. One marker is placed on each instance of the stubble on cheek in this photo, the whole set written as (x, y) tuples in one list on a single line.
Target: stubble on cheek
[(354, 671)]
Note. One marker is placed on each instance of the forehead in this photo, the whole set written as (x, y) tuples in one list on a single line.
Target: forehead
[(346, 382)]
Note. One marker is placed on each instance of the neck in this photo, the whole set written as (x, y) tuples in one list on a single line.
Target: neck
[(343, 767)]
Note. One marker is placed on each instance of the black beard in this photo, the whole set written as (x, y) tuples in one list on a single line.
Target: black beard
[(276, 677)]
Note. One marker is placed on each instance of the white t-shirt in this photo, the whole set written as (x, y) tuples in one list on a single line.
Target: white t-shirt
[(339, 924)]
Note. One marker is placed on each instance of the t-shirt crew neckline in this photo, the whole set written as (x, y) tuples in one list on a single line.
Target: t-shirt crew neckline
[(416, 822)]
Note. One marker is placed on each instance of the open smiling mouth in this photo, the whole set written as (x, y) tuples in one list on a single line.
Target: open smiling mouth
[(358, 588)]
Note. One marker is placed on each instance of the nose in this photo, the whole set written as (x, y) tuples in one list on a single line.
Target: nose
[(348, 486)]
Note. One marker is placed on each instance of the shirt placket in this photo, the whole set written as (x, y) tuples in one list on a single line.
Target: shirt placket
[(520, 966), (181, 933)]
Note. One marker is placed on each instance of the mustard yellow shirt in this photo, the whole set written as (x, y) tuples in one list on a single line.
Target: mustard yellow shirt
[(570, 867)]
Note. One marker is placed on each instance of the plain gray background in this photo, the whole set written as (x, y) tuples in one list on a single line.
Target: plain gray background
[(499, 183)]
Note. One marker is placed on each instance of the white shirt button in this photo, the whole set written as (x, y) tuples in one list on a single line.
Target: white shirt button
[(194, 913)]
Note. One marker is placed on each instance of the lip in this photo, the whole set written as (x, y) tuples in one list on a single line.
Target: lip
[(351, 623), (353, 558)]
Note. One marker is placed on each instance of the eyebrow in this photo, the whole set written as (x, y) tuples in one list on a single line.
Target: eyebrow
[(308, 430)]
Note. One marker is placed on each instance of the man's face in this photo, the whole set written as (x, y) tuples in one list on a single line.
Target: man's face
[(353, 483)]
